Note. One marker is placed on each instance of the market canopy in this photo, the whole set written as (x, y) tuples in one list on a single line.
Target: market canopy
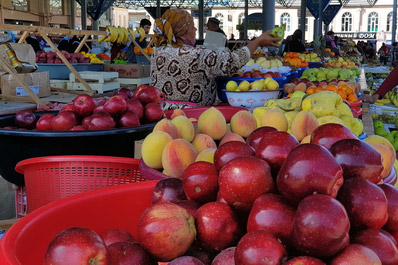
[(95, 8)]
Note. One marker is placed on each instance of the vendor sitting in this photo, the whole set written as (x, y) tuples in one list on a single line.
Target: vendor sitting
[(185, 73)]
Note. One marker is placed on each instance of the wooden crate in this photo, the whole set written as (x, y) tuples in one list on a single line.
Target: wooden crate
[(98, 87), (99, 77)]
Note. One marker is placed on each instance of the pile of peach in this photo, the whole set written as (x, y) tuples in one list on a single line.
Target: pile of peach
[(344, 90)]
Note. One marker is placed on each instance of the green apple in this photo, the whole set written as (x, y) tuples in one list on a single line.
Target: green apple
[(231, 85)]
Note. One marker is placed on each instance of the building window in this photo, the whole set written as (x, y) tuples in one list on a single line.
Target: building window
[(21, 5), (241, 17), (230, 18), (306, 23), (220, 17), (285, 19), (346, 22), (389, 21), (78, 9), (56, 7), (373, 22)]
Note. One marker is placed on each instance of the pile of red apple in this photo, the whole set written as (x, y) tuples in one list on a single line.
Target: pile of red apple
[(269, 200), (258, 74), (125, 109)]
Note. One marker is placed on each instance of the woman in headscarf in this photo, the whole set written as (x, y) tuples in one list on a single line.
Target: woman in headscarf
[(185, 73)]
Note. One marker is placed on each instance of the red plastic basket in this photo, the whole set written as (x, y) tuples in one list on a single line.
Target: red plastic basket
[(52, 178), (25, 243)]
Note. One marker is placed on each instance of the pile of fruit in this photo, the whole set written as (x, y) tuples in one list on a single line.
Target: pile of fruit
[(340, 63), (380, 130), (265, 62), (330, 74), (294, 59), (258, 85), (122, 35), (93, 57), (52, 57), (124, 109), (264, 197)]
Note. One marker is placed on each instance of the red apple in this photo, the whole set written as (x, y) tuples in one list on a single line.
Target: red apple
[(266, 75), (295, 80), (320, 227), (83, 105), (277, 75), (247, 74), (25, 119), (255, 137), (304, 260), (365, 203), (166, 230), (64, 121), (200, 181), (392, 199), (229, 151), (260, 247), (124, 253), (243, 179), (272, 74), (217, 226), (186, 260), (379, 242), (316, 83), (257, 74), (76, 245), (153, 112), (225, 257), (135, 105), (99, 108), (355, 254), (310, 84), (329, 133), (129, 119), (44, 122), (308, 169), (101, 121), (168, 190), (148, 94), (197, 251), (274, 148), (86, 122), (69, 107), (304, 80), (139, 88), (125, 93), (10, 128), (272, 213), (116, 105), (358, 159), (111, 236), (238, 74)]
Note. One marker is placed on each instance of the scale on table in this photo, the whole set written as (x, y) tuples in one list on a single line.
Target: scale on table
[(215, 41)]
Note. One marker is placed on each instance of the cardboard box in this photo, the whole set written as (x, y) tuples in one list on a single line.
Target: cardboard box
[(24, 53), (128, 70), (39, 83)]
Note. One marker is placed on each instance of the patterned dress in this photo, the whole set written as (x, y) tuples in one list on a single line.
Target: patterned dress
[(188, 73)]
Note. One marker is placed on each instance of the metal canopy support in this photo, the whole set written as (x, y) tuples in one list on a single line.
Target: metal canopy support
[(84, 14), (201, 20), (72, 15), (394, 22), (303, 16), (268, 14), (320, 18), (246, 20), (158, 10)]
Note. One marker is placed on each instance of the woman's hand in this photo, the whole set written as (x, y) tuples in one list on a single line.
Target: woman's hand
[(369, 98)]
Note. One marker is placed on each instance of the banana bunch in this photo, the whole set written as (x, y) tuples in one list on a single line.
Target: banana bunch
[(118, 35), (390, 97), (382, 102), (139, 31)]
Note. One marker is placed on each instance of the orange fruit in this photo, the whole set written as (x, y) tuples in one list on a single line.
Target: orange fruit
[(331, 88), (310, 90)]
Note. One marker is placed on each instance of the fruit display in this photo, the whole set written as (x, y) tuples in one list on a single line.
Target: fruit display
[(257, 74), (380, 130), (329, 74), (265, 194), (311, 57), (347, 90), (124, 109), (341, 62), (259, 85), (52, 57), (374, 80), (294, 59), (264, 64)]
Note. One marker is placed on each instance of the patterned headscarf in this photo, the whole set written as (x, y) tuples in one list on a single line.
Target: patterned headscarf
[(173, 24)]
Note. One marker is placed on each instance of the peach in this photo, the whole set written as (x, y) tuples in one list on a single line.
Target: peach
[(304, 124), (306, 140), (167, 126), (301, 87), (386, 158), (206, 155), (232, 137), (212, 122), (381, 140), (203, 141), (243, 123), (177, 112), (275, 118), (177, 155), (152, 148), (185, 127)]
